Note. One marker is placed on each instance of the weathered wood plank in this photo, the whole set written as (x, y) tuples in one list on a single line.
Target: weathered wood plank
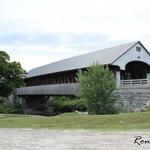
[(55, 89)]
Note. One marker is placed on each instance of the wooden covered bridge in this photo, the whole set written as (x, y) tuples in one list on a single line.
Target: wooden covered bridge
[(129, 62)]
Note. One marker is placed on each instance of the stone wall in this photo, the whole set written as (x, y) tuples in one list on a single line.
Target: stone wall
[(134, 98)]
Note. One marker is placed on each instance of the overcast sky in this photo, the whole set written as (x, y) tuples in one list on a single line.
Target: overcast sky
[(37, 32)]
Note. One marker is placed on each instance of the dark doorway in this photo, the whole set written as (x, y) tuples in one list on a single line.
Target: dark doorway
[(135, 70)]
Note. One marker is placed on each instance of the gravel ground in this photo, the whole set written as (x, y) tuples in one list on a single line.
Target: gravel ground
[(32, 139)]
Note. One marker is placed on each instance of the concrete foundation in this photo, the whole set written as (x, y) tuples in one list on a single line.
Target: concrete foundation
[(134, 98)]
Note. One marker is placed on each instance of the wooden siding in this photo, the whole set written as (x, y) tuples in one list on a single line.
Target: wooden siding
[(55, 89), (56, 78)]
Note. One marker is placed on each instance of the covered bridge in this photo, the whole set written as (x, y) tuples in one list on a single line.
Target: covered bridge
[(129, 62)]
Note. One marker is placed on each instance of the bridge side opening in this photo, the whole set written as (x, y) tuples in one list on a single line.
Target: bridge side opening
[(136, 72)]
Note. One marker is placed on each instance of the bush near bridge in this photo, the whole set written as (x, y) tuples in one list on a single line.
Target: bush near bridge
[(66, 104), (8, 107), (97, 87)]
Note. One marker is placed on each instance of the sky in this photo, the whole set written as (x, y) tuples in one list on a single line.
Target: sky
[(38, 32)]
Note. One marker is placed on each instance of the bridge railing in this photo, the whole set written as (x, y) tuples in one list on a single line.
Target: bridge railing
[(134, 82)]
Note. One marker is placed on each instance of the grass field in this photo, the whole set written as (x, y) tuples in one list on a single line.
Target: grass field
[(71, 121)]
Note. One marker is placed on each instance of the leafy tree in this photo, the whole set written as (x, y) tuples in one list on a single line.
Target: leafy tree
[(97, 87), (11, 74)]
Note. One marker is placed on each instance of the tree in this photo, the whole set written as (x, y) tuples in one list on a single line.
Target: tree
[(97, 87), (11, 75)]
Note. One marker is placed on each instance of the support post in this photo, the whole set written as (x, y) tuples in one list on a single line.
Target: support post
[(148, 78), (118, 78)]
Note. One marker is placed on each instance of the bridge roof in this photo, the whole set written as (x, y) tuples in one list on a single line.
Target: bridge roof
[(104, 56)]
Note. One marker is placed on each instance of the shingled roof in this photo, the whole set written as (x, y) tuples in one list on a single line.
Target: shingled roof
[(104, 56)]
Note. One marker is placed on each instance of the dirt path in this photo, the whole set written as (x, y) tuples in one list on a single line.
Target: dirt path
[(31, 139)]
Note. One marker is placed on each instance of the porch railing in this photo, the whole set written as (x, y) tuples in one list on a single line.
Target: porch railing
[(134, 82)]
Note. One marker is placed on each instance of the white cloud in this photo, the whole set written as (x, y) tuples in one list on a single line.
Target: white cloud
[(105, 22)]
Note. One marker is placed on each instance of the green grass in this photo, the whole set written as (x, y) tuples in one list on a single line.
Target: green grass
[(71, 121)]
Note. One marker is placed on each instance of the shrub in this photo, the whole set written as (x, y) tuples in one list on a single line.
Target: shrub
[(9, 108), (66, 104), (97, 86)]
